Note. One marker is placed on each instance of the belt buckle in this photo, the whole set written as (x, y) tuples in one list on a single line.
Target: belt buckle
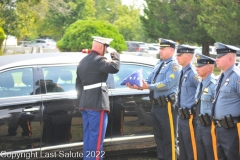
[(190, 111)]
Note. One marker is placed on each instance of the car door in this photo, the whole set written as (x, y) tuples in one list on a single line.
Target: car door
[(62, 121), (20, 110), (131, 109)]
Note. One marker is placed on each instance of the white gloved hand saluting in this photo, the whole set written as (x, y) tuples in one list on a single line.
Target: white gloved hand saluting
[(114, 54)]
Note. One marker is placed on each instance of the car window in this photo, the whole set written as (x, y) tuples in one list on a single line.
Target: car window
[(135, 45), (34, 42), (142, 44), (16, 82), (126, 70), (59, 79), (152, 48)]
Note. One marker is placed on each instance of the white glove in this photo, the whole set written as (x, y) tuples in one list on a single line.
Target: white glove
[(113, 53)]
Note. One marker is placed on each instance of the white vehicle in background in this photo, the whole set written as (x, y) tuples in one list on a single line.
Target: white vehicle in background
[(212, 50), (153, 44), (153, 49), (45, 43)]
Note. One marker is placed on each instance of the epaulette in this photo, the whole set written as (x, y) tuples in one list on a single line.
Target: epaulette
[(193, 69), (236, 70)]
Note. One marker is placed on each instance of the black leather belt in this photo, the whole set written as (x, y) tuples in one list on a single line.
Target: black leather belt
[(218, 123), (221, 123)]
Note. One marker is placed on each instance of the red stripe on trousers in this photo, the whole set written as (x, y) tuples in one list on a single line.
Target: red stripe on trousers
[(100, 132)]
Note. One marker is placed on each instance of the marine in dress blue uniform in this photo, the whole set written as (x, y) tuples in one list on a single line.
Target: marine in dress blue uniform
[(204, 97), (93, 95), (188, 83), (162, 83), (226, 104)]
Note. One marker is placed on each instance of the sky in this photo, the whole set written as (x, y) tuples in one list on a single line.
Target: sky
[(130, 2)]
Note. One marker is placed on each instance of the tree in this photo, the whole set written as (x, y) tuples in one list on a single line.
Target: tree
[(17, 17), (78, 35), (62, 13), (2, 38), (129, 24), (155, 19), (221, 20), (190, 28), (176, 20)]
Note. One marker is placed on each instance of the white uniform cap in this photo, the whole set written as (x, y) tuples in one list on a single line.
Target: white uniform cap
[(102, 40)]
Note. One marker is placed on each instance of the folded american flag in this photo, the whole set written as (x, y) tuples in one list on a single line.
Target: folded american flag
[(134, 78)]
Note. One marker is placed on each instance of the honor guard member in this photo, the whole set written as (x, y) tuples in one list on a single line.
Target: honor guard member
[(92, 73), (188, 83), (204, 97), (162, 83), (226, 103)]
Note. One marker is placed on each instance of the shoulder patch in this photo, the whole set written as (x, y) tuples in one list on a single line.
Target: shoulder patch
[(197, 78), (236, 70), (175, 67)]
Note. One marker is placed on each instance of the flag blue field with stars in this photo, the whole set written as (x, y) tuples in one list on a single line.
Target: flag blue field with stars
[(134, 78)]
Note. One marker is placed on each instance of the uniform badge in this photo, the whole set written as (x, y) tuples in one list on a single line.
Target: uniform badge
[(216, 46), (198, 57), (185, 77), (175, 68), (160, 85), (160, 40), (226, 83), (205, 91), (172, 76)]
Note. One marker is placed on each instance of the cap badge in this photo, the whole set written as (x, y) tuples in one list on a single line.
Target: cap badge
[(216, 46), (198, 57), (160, 40)]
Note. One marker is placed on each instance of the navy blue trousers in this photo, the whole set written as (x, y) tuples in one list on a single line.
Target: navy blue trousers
[(204, 142), (162, 123), (227, 143), (187, 139), (94, 129)]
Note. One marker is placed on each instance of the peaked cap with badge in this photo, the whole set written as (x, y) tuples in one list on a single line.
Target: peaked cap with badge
[(166, 43), (104, 41), (223, 49), (203, 60), (184, 49)]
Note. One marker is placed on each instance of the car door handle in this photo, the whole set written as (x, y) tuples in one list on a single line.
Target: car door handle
[(32, 109)]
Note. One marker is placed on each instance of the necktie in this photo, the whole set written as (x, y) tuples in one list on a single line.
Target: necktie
[(217, 92), (219, 83), (154, 79), (179, 88), (200, 91), (198, 99)]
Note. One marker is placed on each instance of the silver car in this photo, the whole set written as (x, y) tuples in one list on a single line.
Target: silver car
[(45, 43)]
